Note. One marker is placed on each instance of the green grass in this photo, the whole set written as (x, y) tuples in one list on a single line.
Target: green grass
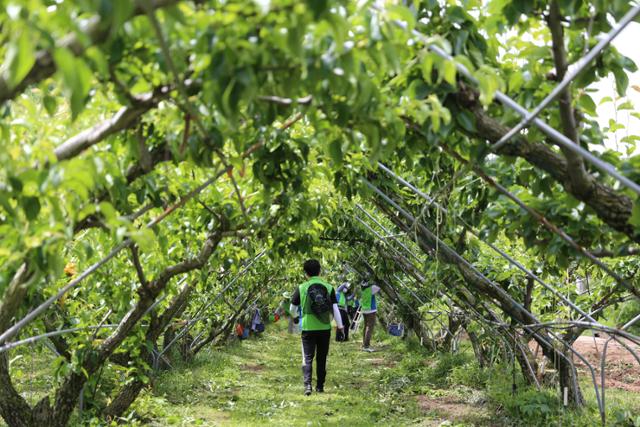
[(259, 382)]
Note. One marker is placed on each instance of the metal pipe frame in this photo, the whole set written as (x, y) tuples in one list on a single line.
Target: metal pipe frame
[(499, 290), (479, 318), (508, 102), (410, 263), (193, 321), (503, 254), (549, 225), (575, 70), (33, 314), (96, 328)]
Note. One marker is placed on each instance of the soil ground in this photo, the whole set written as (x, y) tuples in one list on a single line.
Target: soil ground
[(621, 367)]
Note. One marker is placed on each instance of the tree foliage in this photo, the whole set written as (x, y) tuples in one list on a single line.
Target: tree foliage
[(115, 112)]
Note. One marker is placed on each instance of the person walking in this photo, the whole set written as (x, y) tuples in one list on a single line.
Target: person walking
[(284, 311), (369, 308), (343, 294), (317, 301)]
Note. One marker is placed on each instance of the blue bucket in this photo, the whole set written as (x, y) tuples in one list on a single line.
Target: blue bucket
[(396, 329)]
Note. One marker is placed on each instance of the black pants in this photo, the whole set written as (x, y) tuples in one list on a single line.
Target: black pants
[(344, 336), (315, 343)]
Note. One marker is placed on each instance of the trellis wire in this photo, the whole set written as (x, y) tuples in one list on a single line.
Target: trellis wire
[(402, 245), (577, 69), (192, 321), (603, 358), (55, 333), (500, 291), (558, 137), (93, 268), (421, 278), (547, 224), (96, 328), (42, 307), (480, 318), (503, 254)]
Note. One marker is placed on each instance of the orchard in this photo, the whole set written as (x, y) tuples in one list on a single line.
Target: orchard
[(167, 166)]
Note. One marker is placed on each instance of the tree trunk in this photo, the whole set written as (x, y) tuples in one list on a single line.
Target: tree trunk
[(427, 241)]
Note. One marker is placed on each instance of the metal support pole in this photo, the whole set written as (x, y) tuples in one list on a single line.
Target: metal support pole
[(576, 69), (552, 133), (503, 254), (494, 286), (192, 321)]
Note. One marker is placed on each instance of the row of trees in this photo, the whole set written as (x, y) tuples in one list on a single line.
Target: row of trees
[(151, 141)]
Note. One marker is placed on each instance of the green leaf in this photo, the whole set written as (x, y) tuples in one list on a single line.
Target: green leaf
[(635, 215), (489, 82), (76, 76), (31, 206), (402, 13), (622, 81), (122, 10), (449, 72), (50, 104), (466, 120), (335, 151), (108, 211), (605, 100), (426, 66), (144, 238), (20, 57), (586, 103), (516, 80)]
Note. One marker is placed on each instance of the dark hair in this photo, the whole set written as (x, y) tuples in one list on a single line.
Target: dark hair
[(312, 267)]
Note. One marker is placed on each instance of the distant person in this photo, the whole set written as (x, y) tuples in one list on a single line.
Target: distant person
[(284, 310), (257, 326), (345, 296), (317, 300), (369, 308)]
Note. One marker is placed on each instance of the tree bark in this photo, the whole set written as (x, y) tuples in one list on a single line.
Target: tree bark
[(612, 208), (66, 395), (130, 391), (427, 242)]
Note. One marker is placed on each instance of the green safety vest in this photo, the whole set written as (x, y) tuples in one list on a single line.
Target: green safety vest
[(311, 322), (342, 301), (365, 298)]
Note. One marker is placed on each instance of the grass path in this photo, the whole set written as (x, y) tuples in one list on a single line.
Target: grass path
[(259, 382)]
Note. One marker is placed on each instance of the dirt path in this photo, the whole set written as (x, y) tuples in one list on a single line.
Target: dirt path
[(259, 382), (621, 368)]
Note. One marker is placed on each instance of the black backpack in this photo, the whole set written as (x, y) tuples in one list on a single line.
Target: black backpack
[(319, 300)]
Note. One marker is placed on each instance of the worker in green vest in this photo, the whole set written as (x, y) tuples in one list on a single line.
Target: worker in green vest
[(317, 300), (343, 293), (369, 308)]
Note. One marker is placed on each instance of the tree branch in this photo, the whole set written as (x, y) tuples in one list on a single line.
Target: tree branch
[(581, 181), (135, 259), (67, 394), (612, 208), (623, 252), (125, 118), (44, 67)]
